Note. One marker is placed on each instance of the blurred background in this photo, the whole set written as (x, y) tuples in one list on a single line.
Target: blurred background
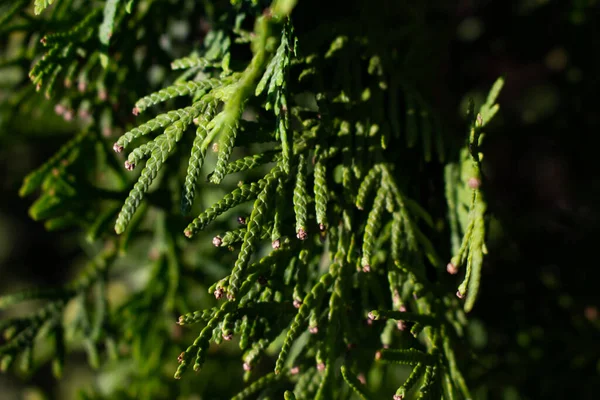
[(536, 326)]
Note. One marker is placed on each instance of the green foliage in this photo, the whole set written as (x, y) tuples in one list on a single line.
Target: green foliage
[(40, 5), (325, 258)]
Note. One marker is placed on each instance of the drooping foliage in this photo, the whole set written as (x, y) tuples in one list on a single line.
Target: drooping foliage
[(336, 267)]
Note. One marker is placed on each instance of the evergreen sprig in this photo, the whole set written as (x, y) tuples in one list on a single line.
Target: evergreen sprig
[(336, 252)]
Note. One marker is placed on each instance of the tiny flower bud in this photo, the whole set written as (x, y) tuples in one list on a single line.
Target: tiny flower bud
[(378, 355), (227, 336), (217, 241), (84, 114), (276, 244), (322, 227), (181, 356), (117, 148), (219, 292), (474, 183), (297, 303), (591, 313), (241, 220), (135, 111), (460, 295), (81, 86), (129, 166), (321, 367), (401, 325), (361, 378), (452, 269), (188, 233), (302, 235), (294, 370), (313, 329), (247, 367), (398, 397), (59, 109), (366, 268)]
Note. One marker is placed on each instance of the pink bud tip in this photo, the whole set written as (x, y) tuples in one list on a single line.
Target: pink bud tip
[(276, 244), (181, 356), (591, 313), (228, 336), (219, 292), (322, 227), (297, 303), (295, 370), (135, 111), (313, 329), (247, 367), (366, 268), (241, 220), (398, 397), (129, 166), (302, 235), (474, 183), (371, 315), (452, 269), (187, 233), (321, 367), (361, 378), (460, 295), (378, 355), (117, 148), (217, 241), (59, 109)]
